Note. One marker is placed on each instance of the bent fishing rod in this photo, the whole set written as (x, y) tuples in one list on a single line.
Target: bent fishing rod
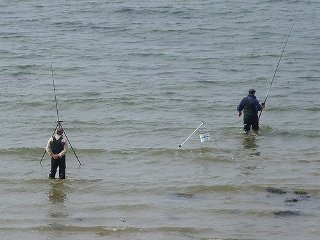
[(274, 75), (57, 111)]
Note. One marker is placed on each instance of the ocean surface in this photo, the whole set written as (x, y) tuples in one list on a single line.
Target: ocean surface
[(133, 80)]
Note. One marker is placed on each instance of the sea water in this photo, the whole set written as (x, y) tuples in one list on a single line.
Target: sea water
[(133, 79)]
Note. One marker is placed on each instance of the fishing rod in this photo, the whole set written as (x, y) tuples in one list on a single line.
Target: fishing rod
[(59, 125), (274, 75), (56, 103), (71, 147), (54, 90), (205, 137), (190, 135), (57, 111)]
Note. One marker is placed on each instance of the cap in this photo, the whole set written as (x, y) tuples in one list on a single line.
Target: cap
[(252, 91), (60, 130)]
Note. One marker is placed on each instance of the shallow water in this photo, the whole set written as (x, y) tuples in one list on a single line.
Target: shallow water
[(133, 80)]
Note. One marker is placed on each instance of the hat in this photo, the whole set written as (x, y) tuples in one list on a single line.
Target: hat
[(252, 91), (60, 130)]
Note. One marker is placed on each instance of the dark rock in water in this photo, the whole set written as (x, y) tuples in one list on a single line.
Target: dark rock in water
[(185, 195), (173, 218), (286, 213), (79, 219), (275, 190), (300, 192), (299, 196), (292, 200), (303, 195)]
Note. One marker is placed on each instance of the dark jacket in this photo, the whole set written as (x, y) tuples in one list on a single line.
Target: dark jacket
[(250, 105)]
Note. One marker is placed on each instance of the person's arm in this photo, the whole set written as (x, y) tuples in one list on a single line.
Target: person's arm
[(65, 149), (48, 148), (241, 106), (259, 107)]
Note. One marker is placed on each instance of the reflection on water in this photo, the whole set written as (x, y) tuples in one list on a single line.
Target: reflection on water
[(58, 197), (252, 165), (58, 192), (249, 141)]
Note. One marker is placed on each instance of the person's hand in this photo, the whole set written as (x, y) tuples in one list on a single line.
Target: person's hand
[(55, 157), (240, 113), (263, 105)]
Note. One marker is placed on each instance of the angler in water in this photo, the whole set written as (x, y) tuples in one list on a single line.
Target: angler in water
[(250, 107), (57, 149)]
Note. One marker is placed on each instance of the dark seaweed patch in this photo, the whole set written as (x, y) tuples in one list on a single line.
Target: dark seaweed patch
[(286, 213), (300, 192), (292, 200), (275, 190), (184, 195)]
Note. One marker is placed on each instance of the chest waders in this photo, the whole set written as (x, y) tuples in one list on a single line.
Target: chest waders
[(56, 147), (250, 117)]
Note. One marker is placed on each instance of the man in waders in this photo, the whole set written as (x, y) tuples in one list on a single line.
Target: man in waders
[(250, 106), (57, 149)]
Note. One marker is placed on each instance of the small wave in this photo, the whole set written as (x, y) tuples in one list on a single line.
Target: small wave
[(203, 189), (254, 188), (286, 213), (296, 133), (36, 151), (266, 130), (21, 151), (45, 181), (149, 11), (124, 10), (21, 73), (67, 181), (99, 230), (109, 230), (28, 66), (26, 69), (154, 152)]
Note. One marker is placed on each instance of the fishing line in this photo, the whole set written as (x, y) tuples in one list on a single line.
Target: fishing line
[(265, 100), (208, 138)]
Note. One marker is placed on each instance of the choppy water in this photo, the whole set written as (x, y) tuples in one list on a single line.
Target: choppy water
[(133, 80)]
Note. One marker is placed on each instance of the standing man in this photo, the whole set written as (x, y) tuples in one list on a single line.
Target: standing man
[(250, 106), (57, 149)]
